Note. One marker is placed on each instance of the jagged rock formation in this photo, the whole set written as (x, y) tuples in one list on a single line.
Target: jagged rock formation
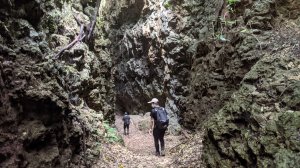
[(260, 125), (198, 56), (171, 50), (149, 56), (230, 68), (51, 109), (156, 43)]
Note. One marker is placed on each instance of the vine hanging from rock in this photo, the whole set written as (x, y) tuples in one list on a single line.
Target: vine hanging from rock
[(85, 32)]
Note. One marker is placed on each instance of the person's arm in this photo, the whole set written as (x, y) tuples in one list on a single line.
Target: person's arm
[(151, 123), (131, 121)]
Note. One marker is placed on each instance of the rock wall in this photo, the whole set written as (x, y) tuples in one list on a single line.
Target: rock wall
[(148, 55), (230, 68), (153, 52), (173, 50), (227, 67), (259, 125), (51, 109)]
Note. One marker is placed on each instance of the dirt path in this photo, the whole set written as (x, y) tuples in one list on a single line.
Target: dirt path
[(139, 147), (139, 140)]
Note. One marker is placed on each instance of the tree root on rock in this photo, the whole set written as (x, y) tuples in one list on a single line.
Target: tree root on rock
[(82, 35)]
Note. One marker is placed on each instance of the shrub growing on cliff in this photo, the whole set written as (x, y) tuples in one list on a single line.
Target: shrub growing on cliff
[(111, 133), (232, 2), (168, 5)]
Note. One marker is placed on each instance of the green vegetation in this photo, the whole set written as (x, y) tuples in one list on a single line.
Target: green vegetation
[(232, 2), (225, 22), (111, 133), (168, 5)]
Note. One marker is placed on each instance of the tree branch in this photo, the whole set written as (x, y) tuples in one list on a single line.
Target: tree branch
[(77, 20), (96, 10), (78, 38), (82, 35)]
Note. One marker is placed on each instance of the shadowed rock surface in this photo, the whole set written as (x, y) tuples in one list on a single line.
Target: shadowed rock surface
[(259, 125), (51, 110), (227, 70), (196, 56)]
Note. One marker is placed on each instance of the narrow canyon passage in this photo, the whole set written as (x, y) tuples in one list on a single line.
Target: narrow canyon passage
[(226, 71), (138, 149)]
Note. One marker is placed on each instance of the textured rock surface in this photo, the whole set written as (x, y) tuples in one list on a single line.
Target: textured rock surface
[(173, 50), (149, 56), (229, 68), (259, 125), (224, 52), (197, 56), (154, 53), (51, 110)]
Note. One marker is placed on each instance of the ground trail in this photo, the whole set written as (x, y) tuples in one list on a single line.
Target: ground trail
[(138, 149), (140, 142)]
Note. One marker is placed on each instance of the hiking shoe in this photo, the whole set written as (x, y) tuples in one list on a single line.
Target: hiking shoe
[(157, 154), (162, 153)]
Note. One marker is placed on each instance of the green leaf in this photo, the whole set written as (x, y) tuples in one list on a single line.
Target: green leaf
[(245, 31)]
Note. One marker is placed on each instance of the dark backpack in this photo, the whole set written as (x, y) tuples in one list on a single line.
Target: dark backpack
[(126, 119), (162, 118)]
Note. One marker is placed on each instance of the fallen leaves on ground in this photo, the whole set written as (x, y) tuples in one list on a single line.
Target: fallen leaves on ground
[(138, 150)]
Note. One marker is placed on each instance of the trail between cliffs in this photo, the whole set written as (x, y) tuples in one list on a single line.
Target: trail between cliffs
[(138, 149), (139, 146)]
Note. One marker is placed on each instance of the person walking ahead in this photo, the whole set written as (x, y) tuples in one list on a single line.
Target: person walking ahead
[(159, 124), (126, 120)]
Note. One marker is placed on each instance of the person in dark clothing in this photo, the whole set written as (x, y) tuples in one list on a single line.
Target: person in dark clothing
[(158, 133), (126, 120)]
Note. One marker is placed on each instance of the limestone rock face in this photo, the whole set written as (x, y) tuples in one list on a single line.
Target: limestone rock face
[(173, 50), (229, 68), (51, 109), (259, 124), (151, 57)]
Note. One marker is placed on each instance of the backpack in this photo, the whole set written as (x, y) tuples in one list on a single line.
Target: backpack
[(162, 118), (126, 119)]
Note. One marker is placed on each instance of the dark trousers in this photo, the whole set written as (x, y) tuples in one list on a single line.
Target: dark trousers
[(158, 135), (126, 126)]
